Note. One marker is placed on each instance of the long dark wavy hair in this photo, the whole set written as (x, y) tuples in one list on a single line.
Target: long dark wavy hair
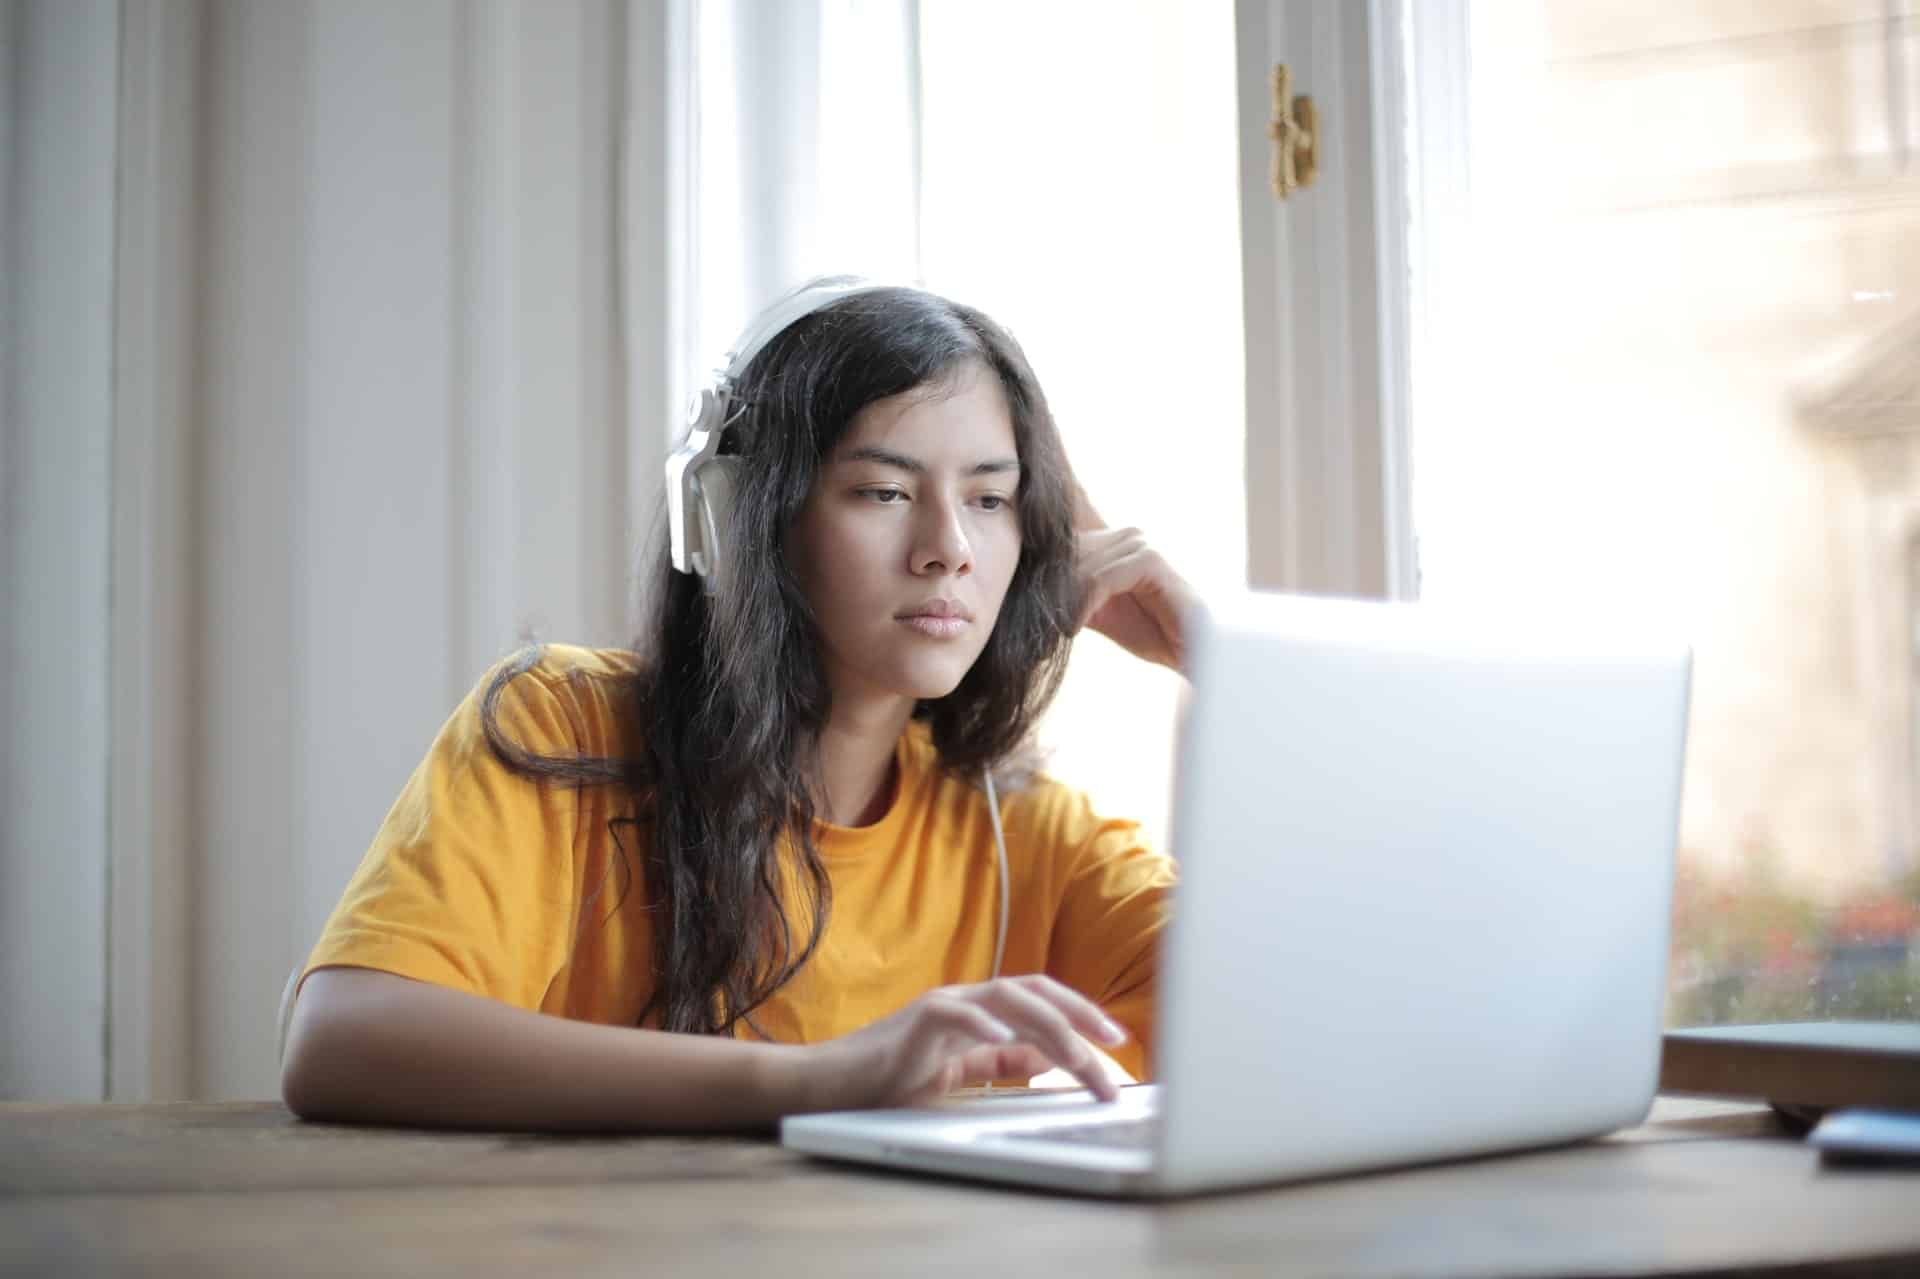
[(733, 695)]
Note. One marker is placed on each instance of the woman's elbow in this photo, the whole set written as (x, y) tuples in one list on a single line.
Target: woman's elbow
[(297, 1090), (316, 1059), (308, 1087)]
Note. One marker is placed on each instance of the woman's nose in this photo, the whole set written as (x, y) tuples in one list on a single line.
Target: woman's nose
[(940, 541)]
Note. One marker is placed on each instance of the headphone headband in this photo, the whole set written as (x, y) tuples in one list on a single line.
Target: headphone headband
[(821, 291), (699, 480)]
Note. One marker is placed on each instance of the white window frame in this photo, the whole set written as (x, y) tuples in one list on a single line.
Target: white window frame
[(1336, 301)]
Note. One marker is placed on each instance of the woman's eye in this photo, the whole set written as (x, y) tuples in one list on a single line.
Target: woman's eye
[(992, 502), (886, 497)]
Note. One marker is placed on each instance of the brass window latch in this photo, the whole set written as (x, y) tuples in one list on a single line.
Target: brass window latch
[(1296, 136)]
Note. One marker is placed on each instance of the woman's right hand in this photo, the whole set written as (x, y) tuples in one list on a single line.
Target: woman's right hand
[(1011, 1027)]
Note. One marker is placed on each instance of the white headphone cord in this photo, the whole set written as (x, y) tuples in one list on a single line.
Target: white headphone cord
[(1000, 846)]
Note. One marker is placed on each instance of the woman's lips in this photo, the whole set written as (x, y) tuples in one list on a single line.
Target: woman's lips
[(932, 626)]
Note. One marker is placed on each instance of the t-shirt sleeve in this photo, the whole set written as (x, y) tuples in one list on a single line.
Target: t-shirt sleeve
[(1116, 901), (469, 882)]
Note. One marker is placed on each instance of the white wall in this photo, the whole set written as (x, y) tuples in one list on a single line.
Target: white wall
[(417, 441), (152, 601), (57, 98), (371, 392)]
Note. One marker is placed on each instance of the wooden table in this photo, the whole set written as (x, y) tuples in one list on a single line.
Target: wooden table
[(246, 1189)]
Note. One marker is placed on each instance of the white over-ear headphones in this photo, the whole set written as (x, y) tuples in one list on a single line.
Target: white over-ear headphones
[(700, 484), (700, 480)]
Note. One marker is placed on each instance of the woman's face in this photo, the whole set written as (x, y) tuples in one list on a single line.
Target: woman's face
[(910, 537)]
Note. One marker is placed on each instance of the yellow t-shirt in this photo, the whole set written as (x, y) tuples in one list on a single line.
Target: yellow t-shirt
[(487, 881)]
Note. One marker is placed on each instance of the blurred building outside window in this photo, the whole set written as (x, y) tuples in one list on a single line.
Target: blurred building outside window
[(1694, 372)]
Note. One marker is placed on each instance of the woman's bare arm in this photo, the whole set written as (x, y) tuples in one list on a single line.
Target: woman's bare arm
[(371, 1047)]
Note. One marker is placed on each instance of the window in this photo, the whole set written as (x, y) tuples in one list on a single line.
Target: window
[(1080, 185), (1695, 277)]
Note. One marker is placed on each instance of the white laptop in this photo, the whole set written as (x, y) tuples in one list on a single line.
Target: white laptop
[(1426, 870)]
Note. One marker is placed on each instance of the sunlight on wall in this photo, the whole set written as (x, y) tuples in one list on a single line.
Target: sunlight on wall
[(1080, 185)]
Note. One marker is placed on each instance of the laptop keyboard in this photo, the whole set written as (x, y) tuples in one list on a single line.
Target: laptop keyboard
[(1116, 1134)]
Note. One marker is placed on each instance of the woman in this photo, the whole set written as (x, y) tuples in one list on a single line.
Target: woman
[(750, 868)]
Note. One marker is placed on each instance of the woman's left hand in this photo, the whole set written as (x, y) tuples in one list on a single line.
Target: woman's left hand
[(1133, 596)]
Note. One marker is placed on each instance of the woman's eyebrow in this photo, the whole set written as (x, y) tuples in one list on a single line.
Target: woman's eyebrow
[(914, 466)]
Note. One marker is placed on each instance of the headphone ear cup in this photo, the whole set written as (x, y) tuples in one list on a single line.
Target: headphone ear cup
[(715, 481)]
